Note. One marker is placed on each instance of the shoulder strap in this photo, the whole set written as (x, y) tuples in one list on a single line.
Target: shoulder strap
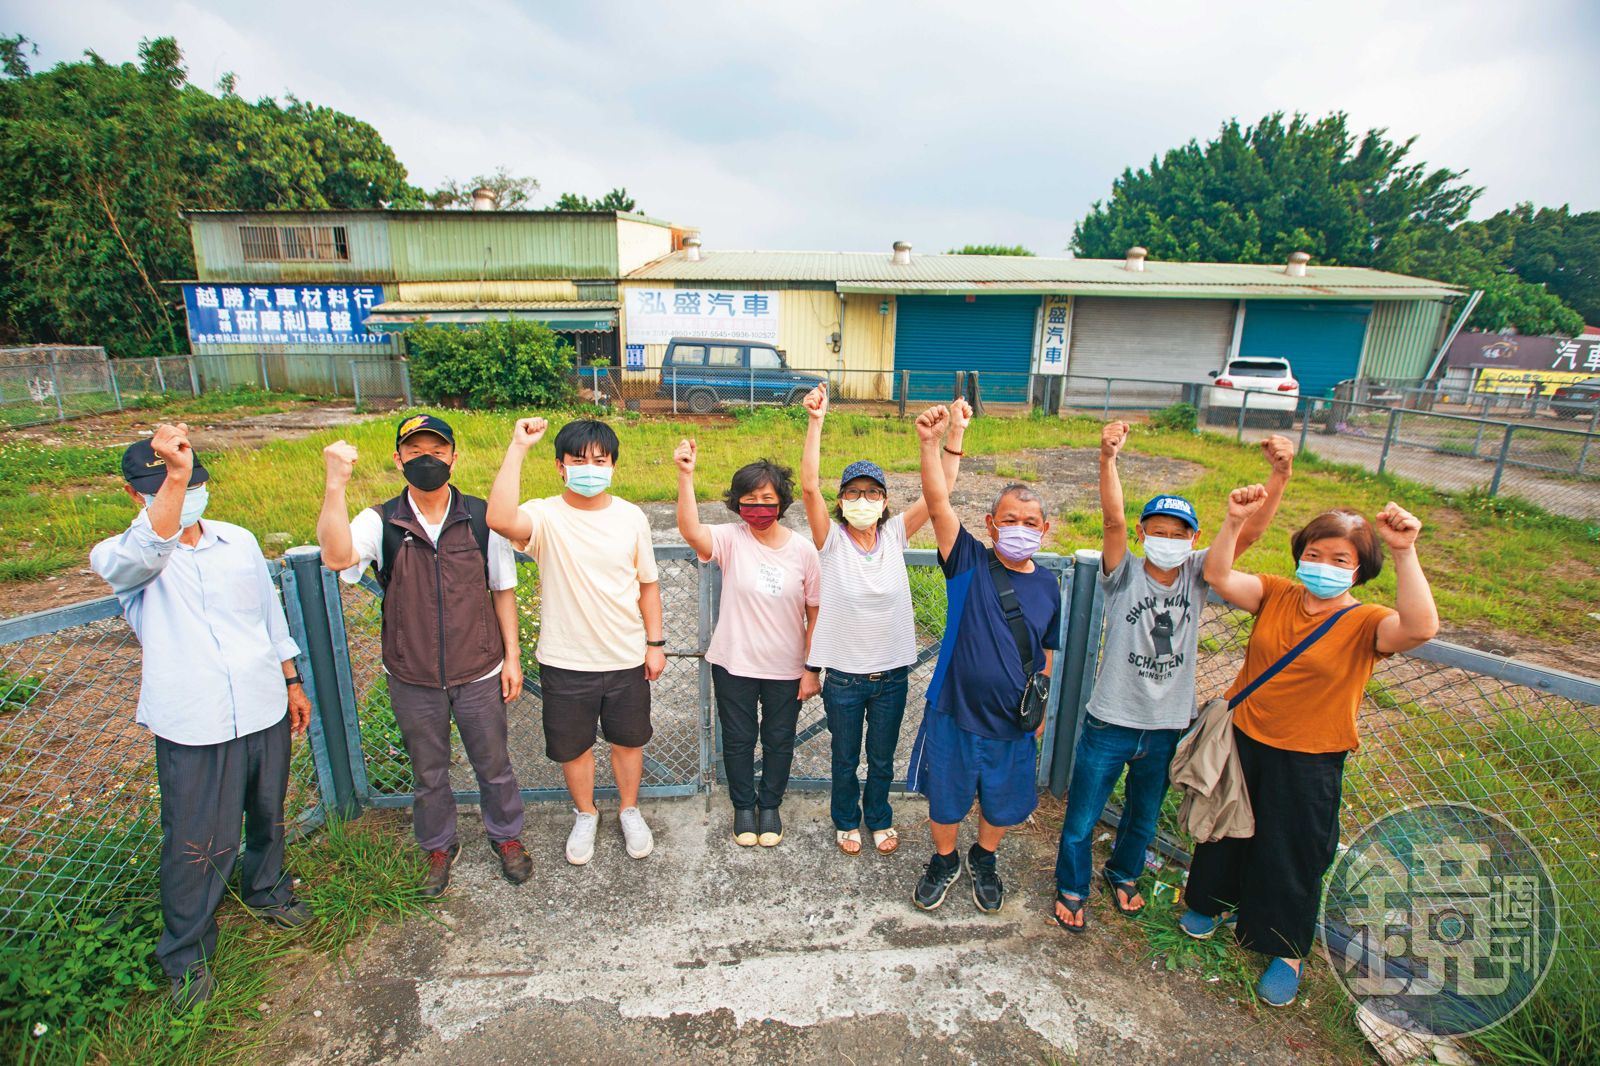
[(393, 537), (1289, 656), (1012, 607), (478, 519)]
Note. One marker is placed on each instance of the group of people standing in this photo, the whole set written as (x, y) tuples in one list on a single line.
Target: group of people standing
[(830, 612)]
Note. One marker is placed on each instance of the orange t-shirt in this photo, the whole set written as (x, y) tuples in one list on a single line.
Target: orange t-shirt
[(1311, 704)]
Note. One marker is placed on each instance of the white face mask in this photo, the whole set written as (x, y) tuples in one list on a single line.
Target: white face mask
[(862, 514), (194, 504), (1167, 553)]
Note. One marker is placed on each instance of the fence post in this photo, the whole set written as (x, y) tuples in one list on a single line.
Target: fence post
[(1105, 412), (405, 382), (116, 389), (1244, 405), (1080, 652), (1305, 425), (905, 387), (194, 380), (1583, 453), (161, 378), (1388, 438), (1500, 463), (261, 361), (674, 389), (355, 384), (306, 562), (55, 388), (976, 392)]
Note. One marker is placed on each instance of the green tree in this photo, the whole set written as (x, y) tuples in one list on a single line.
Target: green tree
[(615, 200), (98, 162), (511, 193), (1561, 251), (497, 364), (989, 249), (1256, 193)]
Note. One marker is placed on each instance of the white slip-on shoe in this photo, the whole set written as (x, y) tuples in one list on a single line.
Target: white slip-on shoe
[(640, 841), (580, 842)]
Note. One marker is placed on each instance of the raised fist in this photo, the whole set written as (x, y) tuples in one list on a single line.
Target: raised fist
[(528, 432), (816, 401), (1280, 453), (1246, 501), (171, 444), (1397, 526), (932, 422), (340, 459), (1112, 437), (960, 413), (684, 455)]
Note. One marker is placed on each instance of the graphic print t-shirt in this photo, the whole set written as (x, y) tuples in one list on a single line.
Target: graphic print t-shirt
[(1146, 676)]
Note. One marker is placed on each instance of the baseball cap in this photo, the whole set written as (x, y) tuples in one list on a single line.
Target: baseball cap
[(146, 471), (1176, 506), (424, 424), (863, 468)]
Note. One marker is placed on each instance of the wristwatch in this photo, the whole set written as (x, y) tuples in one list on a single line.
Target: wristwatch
[(293, 680), (655, 644), (813, 669)]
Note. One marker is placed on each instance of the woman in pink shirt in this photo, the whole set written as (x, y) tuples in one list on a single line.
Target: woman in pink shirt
[(770, 584)]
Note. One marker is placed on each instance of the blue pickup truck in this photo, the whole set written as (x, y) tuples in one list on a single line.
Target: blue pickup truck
[(704, 373)]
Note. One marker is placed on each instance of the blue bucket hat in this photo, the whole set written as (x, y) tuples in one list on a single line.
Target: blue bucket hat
[(863, 468), (1175, 506)]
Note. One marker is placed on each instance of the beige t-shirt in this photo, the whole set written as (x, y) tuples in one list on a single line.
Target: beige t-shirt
[(591, 564)]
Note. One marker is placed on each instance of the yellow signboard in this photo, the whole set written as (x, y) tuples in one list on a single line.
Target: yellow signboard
[(1524, 382)]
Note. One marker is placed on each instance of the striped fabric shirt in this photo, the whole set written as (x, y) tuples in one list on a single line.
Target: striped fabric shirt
[(864, 621)]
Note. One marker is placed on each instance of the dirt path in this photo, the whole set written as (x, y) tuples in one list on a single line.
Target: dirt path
[(709, 953)]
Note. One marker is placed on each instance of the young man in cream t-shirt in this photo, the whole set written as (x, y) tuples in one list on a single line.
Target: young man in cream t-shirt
[(600, 639)]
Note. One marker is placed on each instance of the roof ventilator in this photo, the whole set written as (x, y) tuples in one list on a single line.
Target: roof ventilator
[(902, 254), (691, 249), (1297, 264), (1135, 259)]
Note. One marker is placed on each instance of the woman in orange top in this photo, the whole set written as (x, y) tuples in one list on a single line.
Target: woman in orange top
[(1294, 732)]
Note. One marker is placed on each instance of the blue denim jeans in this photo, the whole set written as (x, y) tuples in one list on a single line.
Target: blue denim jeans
[(875, 703), (1103, 750)]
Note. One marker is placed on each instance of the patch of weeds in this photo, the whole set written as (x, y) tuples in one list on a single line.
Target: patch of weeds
[(1182, 417), (17, 690)]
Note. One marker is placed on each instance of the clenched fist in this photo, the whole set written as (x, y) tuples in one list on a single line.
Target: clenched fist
[(171, 444), (1280, 453), (528, 432), (1398, 527), (684, 455), (932, 422), (340, 460), (1112, 437), (816, 401), (1246, 501), (960, 413)]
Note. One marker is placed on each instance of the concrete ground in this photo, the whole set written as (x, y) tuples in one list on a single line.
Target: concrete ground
[(709, 953)]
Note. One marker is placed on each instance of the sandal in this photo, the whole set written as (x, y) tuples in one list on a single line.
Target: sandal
[(1074, 907), (885, 840), (845, 837), (1120, 888)]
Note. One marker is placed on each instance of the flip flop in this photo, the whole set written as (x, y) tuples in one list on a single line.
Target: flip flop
[(885, 840), (1126, 887), (844, 836), (1074, 907)]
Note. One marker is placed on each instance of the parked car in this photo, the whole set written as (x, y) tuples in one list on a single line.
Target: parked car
[(1577, 400), (705, 373), (1269, 382)]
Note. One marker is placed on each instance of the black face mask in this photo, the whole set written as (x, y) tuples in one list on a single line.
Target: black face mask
[(426, 473)]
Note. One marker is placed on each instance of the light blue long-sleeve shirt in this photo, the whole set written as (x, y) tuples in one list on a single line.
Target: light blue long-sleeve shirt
[(211, 625)]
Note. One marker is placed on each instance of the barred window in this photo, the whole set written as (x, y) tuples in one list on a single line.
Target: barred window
[(294, 243)]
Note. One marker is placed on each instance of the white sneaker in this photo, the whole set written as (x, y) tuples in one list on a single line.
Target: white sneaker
[(580, 842), (637, 835)]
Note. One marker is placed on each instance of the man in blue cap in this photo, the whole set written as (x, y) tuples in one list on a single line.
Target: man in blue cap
[(220, 691), (1144, 697)]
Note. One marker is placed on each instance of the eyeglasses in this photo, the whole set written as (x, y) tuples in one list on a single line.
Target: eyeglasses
[(862, 494)]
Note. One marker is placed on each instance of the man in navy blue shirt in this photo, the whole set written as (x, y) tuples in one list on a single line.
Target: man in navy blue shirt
[(971, 746)]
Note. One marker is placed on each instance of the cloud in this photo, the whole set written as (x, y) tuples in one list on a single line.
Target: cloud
[(850, 125)]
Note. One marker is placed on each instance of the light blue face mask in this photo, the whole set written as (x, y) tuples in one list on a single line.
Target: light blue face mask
[(588, 480), (1323, 581), (194, 504)]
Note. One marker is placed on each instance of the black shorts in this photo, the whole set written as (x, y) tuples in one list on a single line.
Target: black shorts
[(576, 701)]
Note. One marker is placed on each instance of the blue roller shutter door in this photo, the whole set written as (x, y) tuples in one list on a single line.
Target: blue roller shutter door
[(1322, 341), (935, 336)]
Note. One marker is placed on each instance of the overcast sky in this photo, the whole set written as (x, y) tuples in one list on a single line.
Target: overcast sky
[(851, 125)]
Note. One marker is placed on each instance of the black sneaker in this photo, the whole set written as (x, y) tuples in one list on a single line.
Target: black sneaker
[(744, 827), (438, 876), (771, 828), (193, 988), (291, 915), (987, 891), (937, 877), (515, 864)]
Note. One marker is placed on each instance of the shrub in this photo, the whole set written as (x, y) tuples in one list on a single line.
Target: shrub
[(497, 364), (1180, 416)]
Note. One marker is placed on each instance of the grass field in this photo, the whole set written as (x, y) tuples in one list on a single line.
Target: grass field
[(1496, 564)]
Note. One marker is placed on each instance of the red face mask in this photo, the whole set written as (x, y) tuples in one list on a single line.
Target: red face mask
[(759, 515)]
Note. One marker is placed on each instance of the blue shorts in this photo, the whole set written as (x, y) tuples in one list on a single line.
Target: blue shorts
[(960, 766)]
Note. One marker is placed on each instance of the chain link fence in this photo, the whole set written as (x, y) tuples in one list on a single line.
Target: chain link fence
[(79, 810)]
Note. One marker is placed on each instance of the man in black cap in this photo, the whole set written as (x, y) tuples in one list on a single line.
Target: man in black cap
[(450, 643), (217, 679)]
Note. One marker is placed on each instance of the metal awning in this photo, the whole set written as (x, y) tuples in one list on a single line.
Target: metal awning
[(394, 316)]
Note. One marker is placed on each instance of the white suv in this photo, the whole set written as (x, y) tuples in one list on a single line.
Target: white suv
[(1269, 381)]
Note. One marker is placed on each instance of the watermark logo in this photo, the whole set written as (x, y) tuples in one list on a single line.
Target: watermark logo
[(1441, 918)]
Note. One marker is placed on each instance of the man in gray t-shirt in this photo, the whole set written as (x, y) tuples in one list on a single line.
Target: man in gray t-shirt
[(1144, 696)]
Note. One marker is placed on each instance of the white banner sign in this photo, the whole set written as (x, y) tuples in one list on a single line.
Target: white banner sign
[(655, 316), (1053, 335)]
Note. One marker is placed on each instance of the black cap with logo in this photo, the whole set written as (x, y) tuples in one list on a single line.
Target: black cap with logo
[(145, 470), (424, 424)]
